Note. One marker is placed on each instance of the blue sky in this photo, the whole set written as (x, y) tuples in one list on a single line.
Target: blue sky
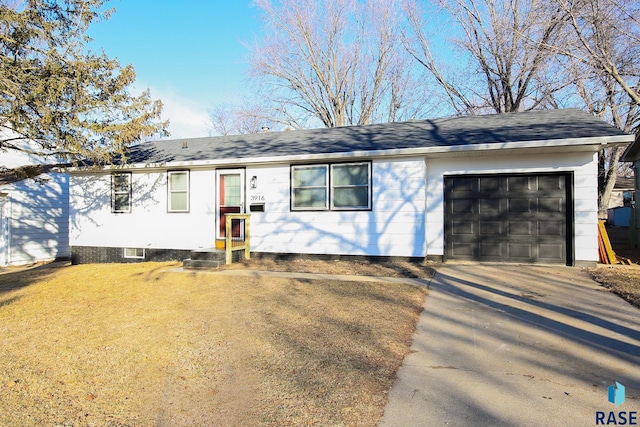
[(189, 53)]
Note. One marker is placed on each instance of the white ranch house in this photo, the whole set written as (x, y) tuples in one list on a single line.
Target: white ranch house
[(518, 187)]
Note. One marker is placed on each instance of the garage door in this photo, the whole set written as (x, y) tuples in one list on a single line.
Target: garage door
[(508, 218)]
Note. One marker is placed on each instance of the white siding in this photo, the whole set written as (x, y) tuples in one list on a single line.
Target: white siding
[(4, 229), (585, 171), (395, 225), (37, 221), (148, 225)]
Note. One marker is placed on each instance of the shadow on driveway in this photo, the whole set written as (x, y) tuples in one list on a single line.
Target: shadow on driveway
[(517, 345)]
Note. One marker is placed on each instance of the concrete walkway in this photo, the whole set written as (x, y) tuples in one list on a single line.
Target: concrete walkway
[(517, 346)]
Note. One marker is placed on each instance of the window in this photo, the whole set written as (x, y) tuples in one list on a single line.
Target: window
[(310, 187), (350, 186), (134, 253), (121, 192), (178, 191), (341, 186)]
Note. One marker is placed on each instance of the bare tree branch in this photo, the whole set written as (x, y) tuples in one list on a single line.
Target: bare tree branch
[(336, 61), (508, 44)]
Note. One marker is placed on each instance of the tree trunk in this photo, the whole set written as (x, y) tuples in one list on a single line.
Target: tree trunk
[(608, 181)]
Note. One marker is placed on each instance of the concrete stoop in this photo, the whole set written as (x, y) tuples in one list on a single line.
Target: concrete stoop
[(205, 258)]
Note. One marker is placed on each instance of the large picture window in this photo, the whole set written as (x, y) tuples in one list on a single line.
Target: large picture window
[(121, 192), (340, 186), (178, 191)]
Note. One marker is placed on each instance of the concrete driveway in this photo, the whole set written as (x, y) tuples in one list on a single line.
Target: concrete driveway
[(514, 345)]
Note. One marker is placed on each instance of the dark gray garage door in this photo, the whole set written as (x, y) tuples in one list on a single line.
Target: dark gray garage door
[(511, 218)]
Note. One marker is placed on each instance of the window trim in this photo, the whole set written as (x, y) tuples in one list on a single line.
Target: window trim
[(329, 204), (136, 256), (129, 192), (171, 192)]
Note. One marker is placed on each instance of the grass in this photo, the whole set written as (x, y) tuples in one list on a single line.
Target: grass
[(364, 268), (138, 345), (623, 280)]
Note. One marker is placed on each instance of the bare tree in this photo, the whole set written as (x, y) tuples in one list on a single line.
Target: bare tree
[(338, 61), (542, 54), (606, 37), (603, 56), (603, 97), (228, 119), (507, 44)]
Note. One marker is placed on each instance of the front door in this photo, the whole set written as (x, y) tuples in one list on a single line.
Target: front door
[(229, 199)]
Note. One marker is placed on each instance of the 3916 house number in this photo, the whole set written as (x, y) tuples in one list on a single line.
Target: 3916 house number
[(254, 198)]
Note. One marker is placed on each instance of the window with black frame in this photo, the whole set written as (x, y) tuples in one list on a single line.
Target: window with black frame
[(338, 186), (121, 192)]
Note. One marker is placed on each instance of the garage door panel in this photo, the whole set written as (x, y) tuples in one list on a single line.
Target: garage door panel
[(550, 183), (491, 250), (463, 250), (514, 218), (520, 206), (462, 185), (462, 206), (460, 228), (520, 250), (519, 184), (488, 185), (489, 206), (550, 228), (520, 228), (551, 252), (551, 204), (490, 228)]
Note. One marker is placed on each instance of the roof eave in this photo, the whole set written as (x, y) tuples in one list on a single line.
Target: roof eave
[(505, 148), (632, 153)]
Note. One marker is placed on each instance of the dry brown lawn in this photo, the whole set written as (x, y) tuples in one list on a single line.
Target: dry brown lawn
[(623, 280), (362, 268), (140, 345)]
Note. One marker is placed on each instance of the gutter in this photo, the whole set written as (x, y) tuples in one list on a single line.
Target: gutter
[(632, 151)]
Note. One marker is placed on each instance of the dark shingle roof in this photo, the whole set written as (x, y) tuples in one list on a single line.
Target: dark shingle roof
[(457, 131), (623, 183)]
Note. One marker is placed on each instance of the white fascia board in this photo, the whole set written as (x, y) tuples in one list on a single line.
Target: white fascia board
[(572, 144)]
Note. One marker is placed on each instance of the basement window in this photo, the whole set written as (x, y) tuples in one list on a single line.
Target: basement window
[(136, 253)]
